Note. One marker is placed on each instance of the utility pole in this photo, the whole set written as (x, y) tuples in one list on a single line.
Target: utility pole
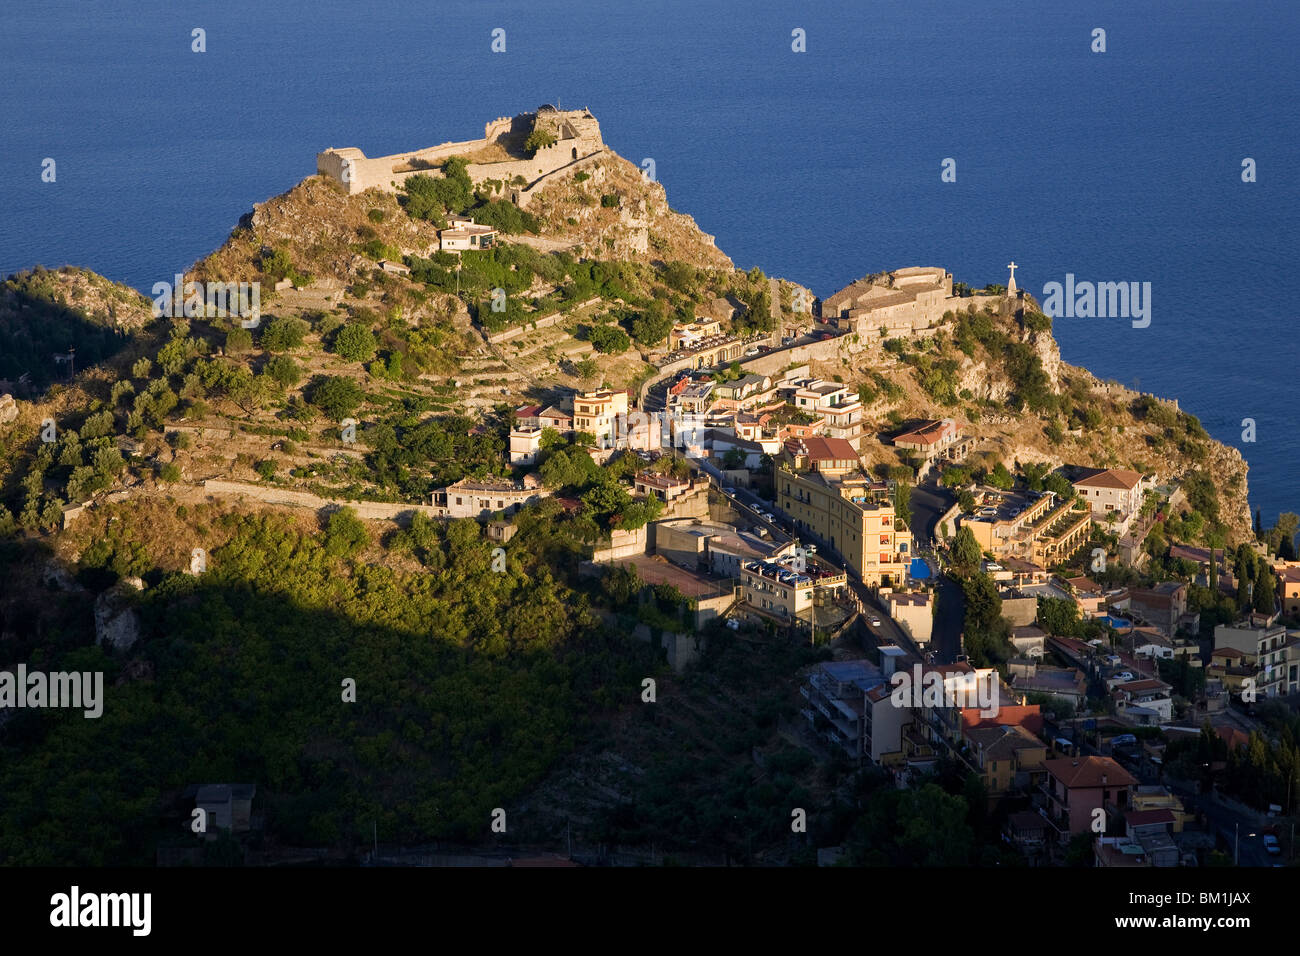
[(1236, 844)]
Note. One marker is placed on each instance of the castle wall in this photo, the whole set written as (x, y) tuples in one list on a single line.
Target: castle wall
[(582, 140)]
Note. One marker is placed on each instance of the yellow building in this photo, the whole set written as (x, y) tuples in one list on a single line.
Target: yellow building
[(1157, 797), (594, 412), (820, 486), (1044, 530)]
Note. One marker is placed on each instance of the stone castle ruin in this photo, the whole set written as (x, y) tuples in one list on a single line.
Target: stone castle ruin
[(904, 301), (499, 155)]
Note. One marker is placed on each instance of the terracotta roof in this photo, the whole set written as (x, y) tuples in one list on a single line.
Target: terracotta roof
[(1087, 772), (1111, 478), (1029, 716), (1233, 737), (1141, 818), (826, 449), (1137, 686), (931, 432)]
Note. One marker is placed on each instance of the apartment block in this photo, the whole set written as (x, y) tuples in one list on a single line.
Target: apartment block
[(820, 486)]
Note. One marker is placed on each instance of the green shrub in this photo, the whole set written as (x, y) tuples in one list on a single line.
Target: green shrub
[(238, 341), (283, 334), (355, 342), (610, 339), (337, 397)]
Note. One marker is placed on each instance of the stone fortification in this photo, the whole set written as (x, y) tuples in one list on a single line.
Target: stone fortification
[(577, 138)]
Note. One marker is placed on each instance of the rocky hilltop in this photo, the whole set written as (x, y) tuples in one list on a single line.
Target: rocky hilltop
[(596, 254)]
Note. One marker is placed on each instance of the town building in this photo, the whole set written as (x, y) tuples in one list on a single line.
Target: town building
[(595, 413), (1288, 590), (820, 487), (664, 487), (525, 442), (1161, 606), (913, 611), (1007, 757), (932, 441), (1143, 702), (1065, 684), (1034, 527), (226, 806), (463, 235), (555, 417), (1256, 637), (789, 588), (690, 335), (1078, 786), (1112, 490), (477, 498)]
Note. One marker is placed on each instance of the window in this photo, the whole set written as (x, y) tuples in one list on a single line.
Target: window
[(458, 501)]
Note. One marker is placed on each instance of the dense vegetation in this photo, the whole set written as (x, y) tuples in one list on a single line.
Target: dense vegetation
[(469, 685)]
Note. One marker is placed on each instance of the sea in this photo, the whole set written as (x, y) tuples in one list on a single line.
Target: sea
[(1111, 140)]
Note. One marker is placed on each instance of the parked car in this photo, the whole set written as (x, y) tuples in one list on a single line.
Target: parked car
[(875, 622), (1123, 740), (1271, 845), (733, 623), (728, 490), (754, 351), (1123, 675)]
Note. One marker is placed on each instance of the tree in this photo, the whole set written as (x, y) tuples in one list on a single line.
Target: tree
[(1245, 570), (238, 341), (283, 370), (283, 334), (653, 325), (337, 397), (345, 534), (999, 477), (966, 501), (903, 502), (355, 342), (1059, 484), (538, 139), (966, 552), (1265, 597), (1058, 616), (610, 339)]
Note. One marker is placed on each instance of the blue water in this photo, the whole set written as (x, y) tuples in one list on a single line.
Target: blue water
[(819, 166)]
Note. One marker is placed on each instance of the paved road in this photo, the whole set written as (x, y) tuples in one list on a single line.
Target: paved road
[(928, 502), (945, 638)]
